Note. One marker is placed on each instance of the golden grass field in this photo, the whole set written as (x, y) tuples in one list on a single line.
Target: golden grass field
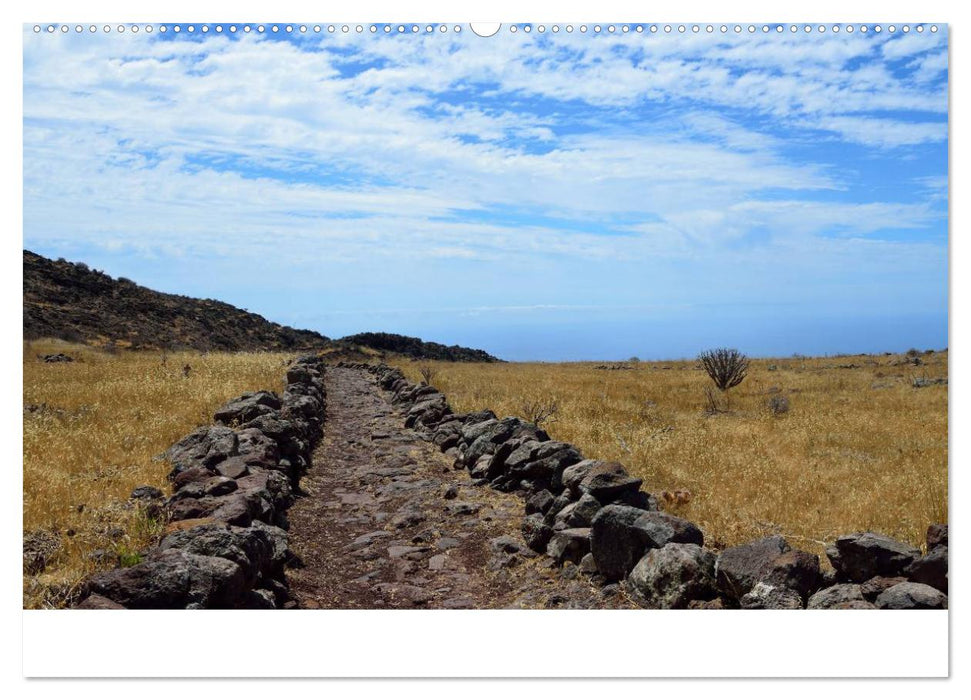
[(91, 430), (860, 448)]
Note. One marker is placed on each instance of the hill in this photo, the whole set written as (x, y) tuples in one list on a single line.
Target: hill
[(417, 348), (73, 302)]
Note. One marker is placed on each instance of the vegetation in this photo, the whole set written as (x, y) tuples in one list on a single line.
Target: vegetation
[(725, 366), (859, 447), (92, 428), (418, 348)]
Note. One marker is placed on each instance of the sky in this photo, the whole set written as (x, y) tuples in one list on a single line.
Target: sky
[(541, 196)]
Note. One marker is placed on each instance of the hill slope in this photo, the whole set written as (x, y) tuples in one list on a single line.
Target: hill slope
[(71, 301)]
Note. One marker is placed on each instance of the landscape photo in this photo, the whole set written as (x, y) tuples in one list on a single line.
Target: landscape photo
[(402, 316)]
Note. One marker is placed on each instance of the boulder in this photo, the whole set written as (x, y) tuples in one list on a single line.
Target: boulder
[(930, 569), (536, 532), (539, 502), (245, 408), (173, 579), (569, 545), (608, 481), (205, 447), (259, 550), (674, 575), (863, 555), (739, 568), (146, 493), (911, 596), (584, 511), (877, 585), (836, 596), (98, 602), (764, 596), (936, 536), (574, 474), (620, 536), (794, 570)]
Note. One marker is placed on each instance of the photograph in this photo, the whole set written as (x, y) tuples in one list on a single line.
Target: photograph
[(619, 316)]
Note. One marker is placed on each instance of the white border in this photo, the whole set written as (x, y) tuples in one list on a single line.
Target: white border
[(477, 643)]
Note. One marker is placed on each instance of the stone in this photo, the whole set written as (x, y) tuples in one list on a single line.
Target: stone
[(616, 542), (878, 584), (739, 568), (911, 596), (574, 474), (793, 570), (437, 562), (608, 481), (569, 545), (98, 602), (670, 577), (930, 569), (764, 596), (206, 447), (233, 468), (506, 544), (259, 550), (559, 503), (462, 508), (834, 596), (146, 493), (451, 492), (936, 536), (862, 555), (587, 565), (539, 502), (584, 511), (173, 579), (536, 533), (245, 408)]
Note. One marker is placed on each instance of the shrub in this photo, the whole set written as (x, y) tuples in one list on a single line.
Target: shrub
[(538, 412), (427, 373), (727, 367)]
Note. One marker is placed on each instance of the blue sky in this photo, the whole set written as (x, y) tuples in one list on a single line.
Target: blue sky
[(545, 196)]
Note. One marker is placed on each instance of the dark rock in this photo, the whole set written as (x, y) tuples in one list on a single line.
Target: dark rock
[(98, 602), (878, 584), (257, 448), (930, 569), (608, 481), (536, 532), (911, 596), (559, 503), (840, 594), (462, 508), (146, 493), (260, 550), (587, 565), (716, 604), (173, 579), (539, 502), (673, 575), (233, 468), (569, 545), (451, 492), (584, 511), (206, 447), (58, 357), (506, 544), (739, 568), (192, 475), (764, 596), (617, 541), (247, 407), (863, 555), (793, 570), (936, 536)]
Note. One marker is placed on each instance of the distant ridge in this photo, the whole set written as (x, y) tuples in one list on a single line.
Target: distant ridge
[(418, 348), (73, 302)]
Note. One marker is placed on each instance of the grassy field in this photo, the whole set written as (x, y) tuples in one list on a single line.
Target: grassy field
[(91, 430), (859, 448)]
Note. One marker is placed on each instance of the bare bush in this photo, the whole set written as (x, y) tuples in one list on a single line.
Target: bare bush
[(427, 373), (727, 367), (538, 412)]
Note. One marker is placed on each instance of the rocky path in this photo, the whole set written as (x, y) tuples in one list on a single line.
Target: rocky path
[(386, 522)]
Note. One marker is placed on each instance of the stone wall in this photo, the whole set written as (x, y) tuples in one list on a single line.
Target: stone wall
[(226, 542), (593, 515)]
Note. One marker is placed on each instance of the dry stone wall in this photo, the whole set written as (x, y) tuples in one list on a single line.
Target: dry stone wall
[(592, 514), (226, 542)]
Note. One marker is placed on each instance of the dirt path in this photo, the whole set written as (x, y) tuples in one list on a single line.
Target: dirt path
[(386, 522)]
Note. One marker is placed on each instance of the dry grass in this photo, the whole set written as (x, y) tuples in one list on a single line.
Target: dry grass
[(860, 447), (91, 430)]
